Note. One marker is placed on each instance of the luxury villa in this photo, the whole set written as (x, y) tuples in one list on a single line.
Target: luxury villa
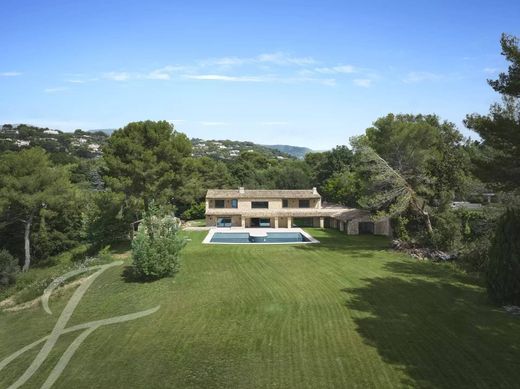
[(249, 208)]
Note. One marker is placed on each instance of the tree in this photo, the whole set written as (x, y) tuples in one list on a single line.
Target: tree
[(144, 161), (290, 175), (105, 221), (342, 188), (29, 184), (325, 165), (426, 152), (385, 190), (498, 159), (503, 272), (199, 175)]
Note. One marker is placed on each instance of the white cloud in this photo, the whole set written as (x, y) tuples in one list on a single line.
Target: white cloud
[(164, 73), (10, 74), (490, 70), (56, 89), (414, 77), (117, 76), (214, 124), (222, 77), (277, 58), (344, 69), (280, 58), (363, 82)]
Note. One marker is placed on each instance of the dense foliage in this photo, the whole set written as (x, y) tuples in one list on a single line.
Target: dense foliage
[(157, 246), (498, 157), (8, 268), (33, 190), (503, 271)]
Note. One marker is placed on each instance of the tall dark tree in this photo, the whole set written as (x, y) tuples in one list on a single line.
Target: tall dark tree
[(503, 273), (144, 161), (31, 185), (498, 161)]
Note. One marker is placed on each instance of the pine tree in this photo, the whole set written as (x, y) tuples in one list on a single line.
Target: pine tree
[(503, 273)]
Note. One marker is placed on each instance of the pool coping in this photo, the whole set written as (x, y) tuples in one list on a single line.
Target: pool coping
[(257, 232)]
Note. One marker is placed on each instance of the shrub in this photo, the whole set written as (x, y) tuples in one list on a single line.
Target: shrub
[(474, 255), (8, 268), (157, 245), (503, 271)]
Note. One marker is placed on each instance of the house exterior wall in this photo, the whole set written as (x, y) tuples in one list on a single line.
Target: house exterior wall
[(382, 227), (273, 203)]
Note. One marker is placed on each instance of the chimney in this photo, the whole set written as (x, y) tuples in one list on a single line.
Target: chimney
[(314, 190), (241, 190)]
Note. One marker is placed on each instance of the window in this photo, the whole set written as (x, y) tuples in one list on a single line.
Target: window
[(304, 204), (220, 203), (224, 222), (234, 203), (265, 223), (285, 203), (259, 204)]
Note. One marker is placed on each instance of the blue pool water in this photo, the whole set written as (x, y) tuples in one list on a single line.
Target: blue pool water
[(245, 237)]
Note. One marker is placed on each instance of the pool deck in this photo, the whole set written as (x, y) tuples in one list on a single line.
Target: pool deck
[(258, 232)]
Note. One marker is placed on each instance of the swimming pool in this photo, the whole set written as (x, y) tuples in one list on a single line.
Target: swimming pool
[(245, 237)]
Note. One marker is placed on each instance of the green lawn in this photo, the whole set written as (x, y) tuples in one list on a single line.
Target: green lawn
[(345, 313)]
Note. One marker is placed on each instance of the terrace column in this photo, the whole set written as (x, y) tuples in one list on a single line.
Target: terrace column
[(243, 222), (289, 221), (341, 226), (322, 222), (276, 222)]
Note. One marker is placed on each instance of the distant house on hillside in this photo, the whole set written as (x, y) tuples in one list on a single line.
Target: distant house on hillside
[(286, 209)]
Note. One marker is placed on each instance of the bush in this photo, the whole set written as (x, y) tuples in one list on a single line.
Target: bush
[(156, 247), (503, 271), (8, 268), (447, 231), (474, 255)]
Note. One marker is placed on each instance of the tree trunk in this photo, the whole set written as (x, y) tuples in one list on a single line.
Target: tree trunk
[(27, 242), (428, 222)]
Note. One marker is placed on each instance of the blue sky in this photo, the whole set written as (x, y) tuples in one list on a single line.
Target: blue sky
[(294, 72)]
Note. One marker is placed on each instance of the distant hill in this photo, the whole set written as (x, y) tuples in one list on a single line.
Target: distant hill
[(295, 151), (83, 144), (229, 149), (88, 144)]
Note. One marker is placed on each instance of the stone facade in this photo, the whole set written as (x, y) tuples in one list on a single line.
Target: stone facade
[(302, 208)]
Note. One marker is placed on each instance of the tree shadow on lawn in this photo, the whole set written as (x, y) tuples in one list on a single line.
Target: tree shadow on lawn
[(129, 275), (334, 240), (439, 330)]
